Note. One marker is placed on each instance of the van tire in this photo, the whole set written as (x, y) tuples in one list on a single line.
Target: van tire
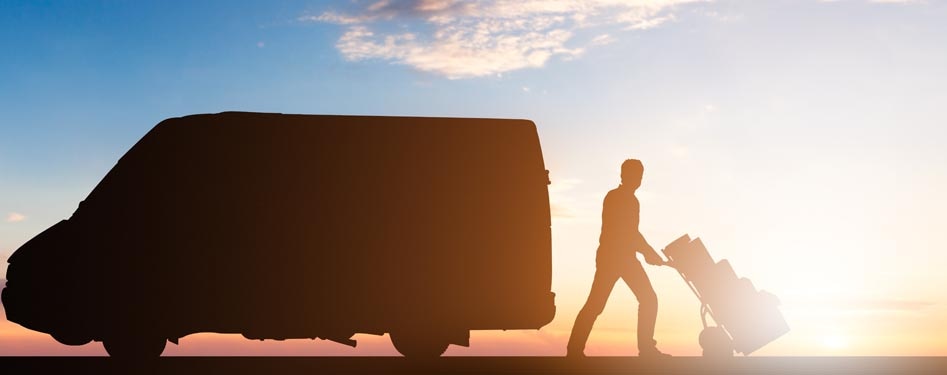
[(418, 345), (126, 346)]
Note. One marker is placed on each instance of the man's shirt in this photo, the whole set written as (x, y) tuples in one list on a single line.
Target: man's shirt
[(620, 236)]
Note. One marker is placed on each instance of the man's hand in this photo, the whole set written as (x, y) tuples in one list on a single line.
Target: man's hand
[(654, 259)]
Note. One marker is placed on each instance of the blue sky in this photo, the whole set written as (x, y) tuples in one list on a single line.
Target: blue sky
[(758, 121)]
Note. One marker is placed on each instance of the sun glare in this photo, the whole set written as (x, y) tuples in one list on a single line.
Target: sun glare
[(835, 341)]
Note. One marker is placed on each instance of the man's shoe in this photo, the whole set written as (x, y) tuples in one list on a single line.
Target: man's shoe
[(652, 353)]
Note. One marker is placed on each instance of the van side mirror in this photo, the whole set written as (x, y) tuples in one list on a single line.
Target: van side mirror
[(548, 181)]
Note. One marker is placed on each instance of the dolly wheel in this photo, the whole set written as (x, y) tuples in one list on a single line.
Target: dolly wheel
[(715, 342)]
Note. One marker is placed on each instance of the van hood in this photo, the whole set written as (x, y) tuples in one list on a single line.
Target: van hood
[(34, 279), (48, 241)]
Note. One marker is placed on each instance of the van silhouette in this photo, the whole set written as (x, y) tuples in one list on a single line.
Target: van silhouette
[(299, 226)]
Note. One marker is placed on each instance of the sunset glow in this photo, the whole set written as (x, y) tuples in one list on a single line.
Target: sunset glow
[(802, 141)]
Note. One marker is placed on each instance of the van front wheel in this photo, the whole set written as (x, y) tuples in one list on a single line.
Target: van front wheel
[(134, 347), (418, 346)]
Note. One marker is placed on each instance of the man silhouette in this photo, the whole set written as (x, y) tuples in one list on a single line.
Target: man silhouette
[(615, 258)]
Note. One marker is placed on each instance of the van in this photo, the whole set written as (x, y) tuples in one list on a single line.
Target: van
[(280, 226)]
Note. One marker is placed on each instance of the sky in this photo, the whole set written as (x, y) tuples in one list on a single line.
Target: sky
[(801, 140)]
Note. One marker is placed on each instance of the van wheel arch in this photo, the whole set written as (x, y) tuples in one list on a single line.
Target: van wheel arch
[(71, 339)]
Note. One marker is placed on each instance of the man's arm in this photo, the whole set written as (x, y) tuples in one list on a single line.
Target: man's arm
[(650, 256)]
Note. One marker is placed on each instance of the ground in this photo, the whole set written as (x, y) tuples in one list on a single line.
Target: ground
[(479, 365)]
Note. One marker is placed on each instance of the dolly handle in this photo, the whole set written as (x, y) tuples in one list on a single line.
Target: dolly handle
[(668, 262)]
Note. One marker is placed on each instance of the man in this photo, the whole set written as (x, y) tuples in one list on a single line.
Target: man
[(618, 243)]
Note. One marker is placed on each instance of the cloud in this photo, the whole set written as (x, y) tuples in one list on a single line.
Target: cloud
[(560, 211), (465, 39), (602, 40), (888, 305), (561, 201), (15, 217), (862, 305), (340, 19)]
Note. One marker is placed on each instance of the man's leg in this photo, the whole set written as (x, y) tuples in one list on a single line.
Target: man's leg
[(601, 287), (636, 278)]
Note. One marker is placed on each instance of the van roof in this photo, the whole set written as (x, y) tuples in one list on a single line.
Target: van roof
[(387, 120)]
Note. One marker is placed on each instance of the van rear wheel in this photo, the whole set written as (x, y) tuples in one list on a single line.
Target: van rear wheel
[(128, 346), (419, 345)]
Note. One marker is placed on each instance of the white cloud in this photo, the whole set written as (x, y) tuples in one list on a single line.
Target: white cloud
[(602, 40), (463, 39), (379, 5), (561, 201), (15, 217), (563, 185), (332, 17)]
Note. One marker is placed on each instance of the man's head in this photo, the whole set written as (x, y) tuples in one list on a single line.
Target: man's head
[(631, 172)]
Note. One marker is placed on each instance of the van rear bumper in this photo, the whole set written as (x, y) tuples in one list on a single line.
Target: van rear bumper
[(522, 314), (546, 311)]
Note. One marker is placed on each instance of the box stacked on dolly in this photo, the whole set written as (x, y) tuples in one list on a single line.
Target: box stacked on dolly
[(746, 319)]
